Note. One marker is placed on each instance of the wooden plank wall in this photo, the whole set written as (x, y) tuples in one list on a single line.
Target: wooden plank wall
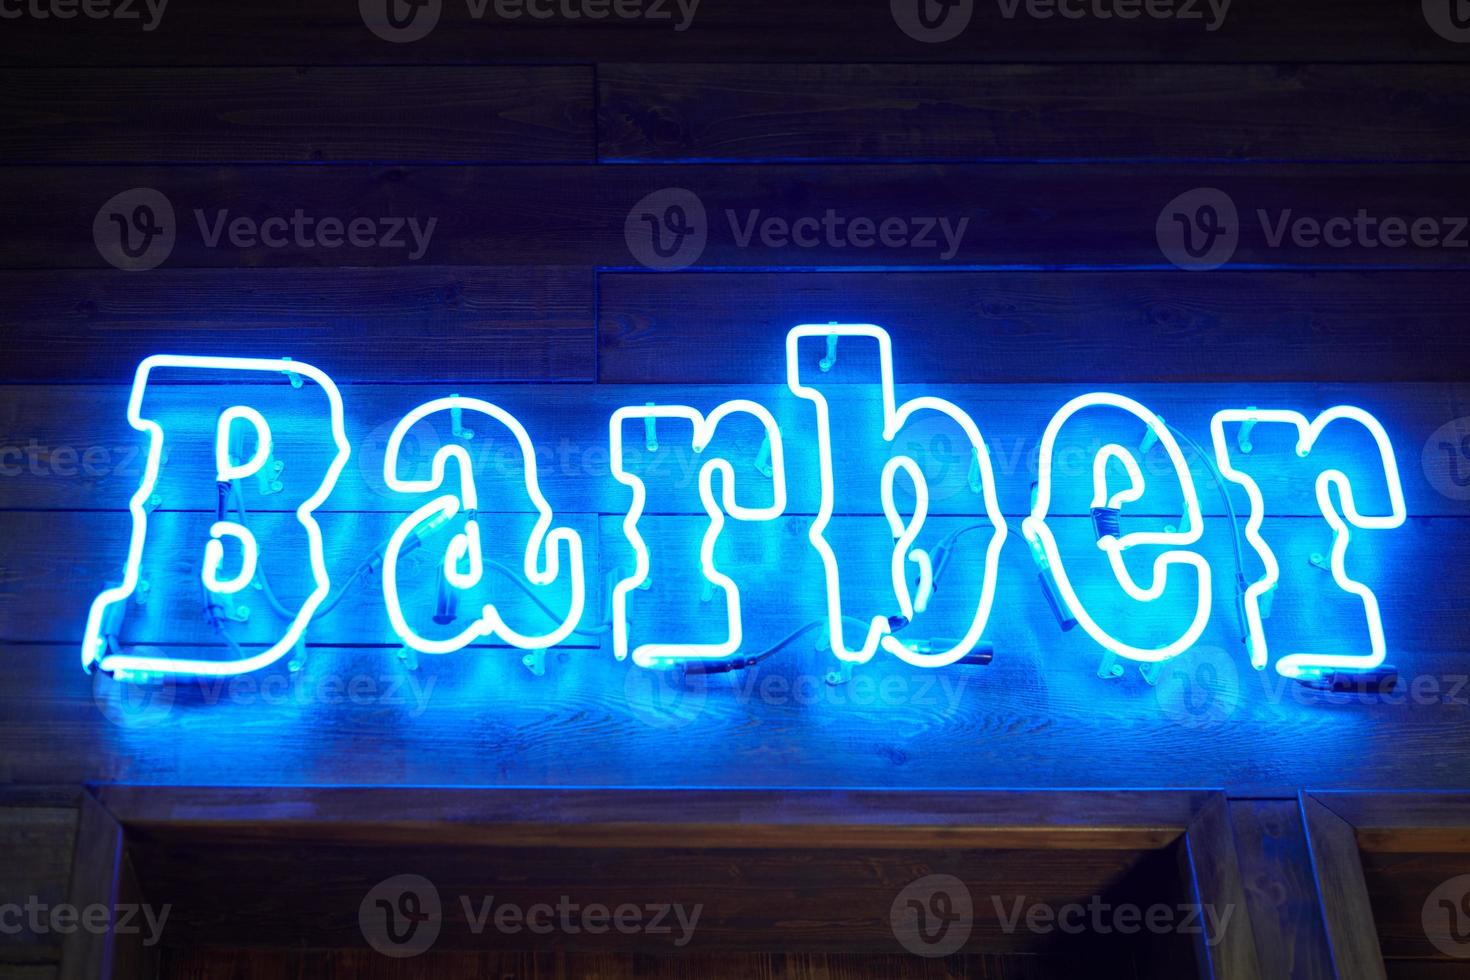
[(1058, 141), (532, 149)]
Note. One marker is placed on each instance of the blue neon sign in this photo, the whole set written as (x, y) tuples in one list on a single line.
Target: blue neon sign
[(230, 558)]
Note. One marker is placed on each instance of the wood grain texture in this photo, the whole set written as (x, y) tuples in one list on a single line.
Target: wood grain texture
[(1346, 908), (1022, 113), (1424, 970), (1045, 326), (1210, 864), (512, 114), (711, 820), (764, 870), (459, 324), (281, 32), (1405, 822), (258, 964), (97, 878), (69, 447), (36, 845), (1412, 848), (289, 894), (1281, 895), (1405, 890), (1010, 216)]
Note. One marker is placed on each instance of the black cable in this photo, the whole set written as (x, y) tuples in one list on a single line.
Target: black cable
[(744, 663)]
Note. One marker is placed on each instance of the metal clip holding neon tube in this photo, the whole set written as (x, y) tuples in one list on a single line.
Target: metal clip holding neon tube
[(96, 651), (1043, 541), (667, 654), (463, 563), (895, 417), (1297, 664)]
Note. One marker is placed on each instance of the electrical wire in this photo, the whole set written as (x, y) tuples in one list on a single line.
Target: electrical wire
[(743, 663), (1219, 478)]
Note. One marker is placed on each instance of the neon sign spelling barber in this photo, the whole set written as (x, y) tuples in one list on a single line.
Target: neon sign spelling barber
[(245, 440)]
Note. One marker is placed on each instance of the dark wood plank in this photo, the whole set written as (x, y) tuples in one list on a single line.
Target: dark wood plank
[(262, 964), (1280, 890), (1024, 113), (36, 842), (796, 871), (1422, 970), (1406, 892), (1346, 908), (746, 898), (710, 819), (512, 114), (1099, 327), (1209, 863), (1405, 822), (921, 215), (281, 32), (461, 324), (96, 879), (65, 447)]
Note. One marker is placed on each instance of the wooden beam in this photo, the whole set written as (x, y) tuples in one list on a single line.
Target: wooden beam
[(1210, 863), (1346, 910), (716, 819)]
